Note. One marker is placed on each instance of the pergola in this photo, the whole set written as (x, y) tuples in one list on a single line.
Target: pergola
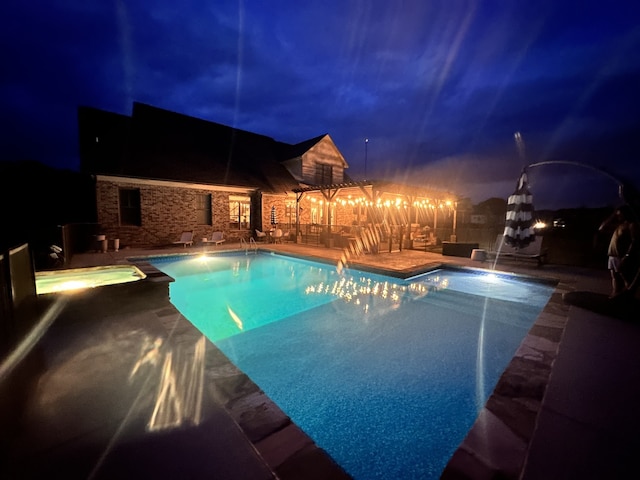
[(386, 204)]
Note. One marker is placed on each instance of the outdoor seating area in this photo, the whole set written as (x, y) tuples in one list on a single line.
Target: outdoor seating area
[(276, 235), (357, 239), (422, 242), (273, 236)]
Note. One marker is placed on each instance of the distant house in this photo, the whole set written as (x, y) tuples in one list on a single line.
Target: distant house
[(158, 173), (478, 219)]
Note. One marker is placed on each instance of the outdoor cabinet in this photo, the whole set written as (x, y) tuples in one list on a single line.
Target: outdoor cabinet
[(455, 249)]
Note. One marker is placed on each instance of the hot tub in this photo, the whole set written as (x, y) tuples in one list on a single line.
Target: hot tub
[(81, 278)]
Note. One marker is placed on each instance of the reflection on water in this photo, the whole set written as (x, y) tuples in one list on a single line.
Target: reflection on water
[(234, 316), (361, 290)]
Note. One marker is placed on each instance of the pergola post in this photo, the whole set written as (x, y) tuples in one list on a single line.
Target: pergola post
[(298, 198), (370, 205), (329, 195), (454, 236)]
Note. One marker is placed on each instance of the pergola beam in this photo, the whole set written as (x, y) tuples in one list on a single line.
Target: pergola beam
[(373, 193)]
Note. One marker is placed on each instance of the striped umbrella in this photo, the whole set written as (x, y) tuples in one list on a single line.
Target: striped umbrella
[(274, 216), (518, 230)]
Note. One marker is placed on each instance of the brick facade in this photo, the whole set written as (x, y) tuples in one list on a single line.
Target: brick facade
[(280, 202), (166, 211)]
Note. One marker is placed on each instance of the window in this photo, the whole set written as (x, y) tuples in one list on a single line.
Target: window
[(324, 174), (290, 213), (203, 208), (239, 213), (130, 207)]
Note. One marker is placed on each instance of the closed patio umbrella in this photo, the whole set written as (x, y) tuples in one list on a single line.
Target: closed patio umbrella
[(518, 230), (274, 216)]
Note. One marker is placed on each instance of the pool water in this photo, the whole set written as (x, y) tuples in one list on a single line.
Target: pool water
[(386, 375)]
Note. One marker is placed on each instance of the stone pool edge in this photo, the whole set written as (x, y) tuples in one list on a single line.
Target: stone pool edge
[(283, 446), (498, 442)]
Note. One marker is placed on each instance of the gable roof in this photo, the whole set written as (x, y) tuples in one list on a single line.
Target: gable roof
[(299, 149), (165, 145), (323, 142)]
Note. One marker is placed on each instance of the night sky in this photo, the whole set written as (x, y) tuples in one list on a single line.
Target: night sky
[(439, 88)]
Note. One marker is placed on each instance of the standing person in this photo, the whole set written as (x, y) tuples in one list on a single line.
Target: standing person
[(623, 250)]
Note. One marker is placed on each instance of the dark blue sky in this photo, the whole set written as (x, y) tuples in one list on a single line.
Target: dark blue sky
[(438, 87)]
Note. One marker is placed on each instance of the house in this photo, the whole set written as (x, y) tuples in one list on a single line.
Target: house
[(158, 173), (478, 219)]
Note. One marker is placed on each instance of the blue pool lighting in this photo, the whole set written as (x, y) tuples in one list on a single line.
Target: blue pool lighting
[(387, 375)]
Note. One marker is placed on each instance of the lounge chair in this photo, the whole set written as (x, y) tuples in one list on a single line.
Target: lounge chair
[(260, 236), (185, 239), (533, 251), (216, 238)]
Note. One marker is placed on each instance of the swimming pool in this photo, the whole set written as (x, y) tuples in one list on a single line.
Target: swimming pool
[(387, 375)]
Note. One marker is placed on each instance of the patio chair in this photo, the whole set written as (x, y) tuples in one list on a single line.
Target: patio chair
[(260, 236), (277, 235), (216, 238), (185, 239)]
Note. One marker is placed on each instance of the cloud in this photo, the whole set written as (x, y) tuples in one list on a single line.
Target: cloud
[(438, 88)]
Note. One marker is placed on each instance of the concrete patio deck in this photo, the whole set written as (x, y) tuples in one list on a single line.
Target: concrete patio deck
[(564, 409)]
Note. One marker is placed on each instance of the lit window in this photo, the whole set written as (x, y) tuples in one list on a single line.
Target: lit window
[(239, 213)]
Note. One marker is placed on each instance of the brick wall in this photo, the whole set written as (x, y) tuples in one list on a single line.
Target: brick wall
[(166, 211), (343, 215), (279, 201)]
